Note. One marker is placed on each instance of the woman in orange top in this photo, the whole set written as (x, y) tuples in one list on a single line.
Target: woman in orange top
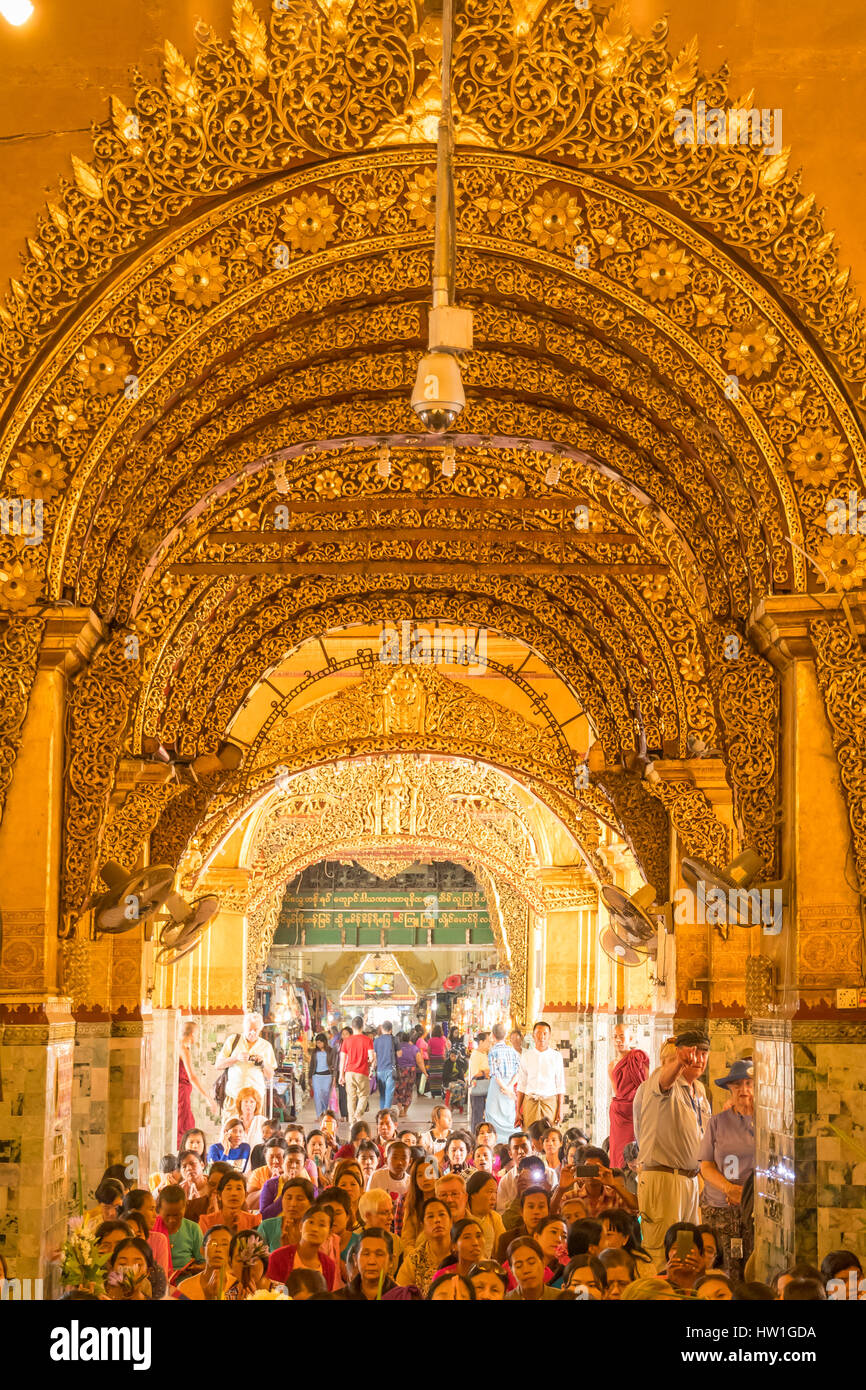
[(230, 1212)]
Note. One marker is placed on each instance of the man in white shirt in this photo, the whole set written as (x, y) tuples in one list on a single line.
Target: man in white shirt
[(250, 1061), (540, 1081)]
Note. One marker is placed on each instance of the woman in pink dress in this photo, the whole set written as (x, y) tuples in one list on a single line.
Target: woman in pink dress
[(630, 1068)]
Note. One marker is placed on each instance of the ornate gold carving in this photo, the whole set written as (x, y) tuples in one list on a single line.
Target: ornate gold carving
[(261, 923), (381, 866), (644, 824), (699, 831), (210, 305), (131, 823), (747, 695), (179, 820), (412, 706), (389, 804), (841, 668), (97, 715), (20, 638)]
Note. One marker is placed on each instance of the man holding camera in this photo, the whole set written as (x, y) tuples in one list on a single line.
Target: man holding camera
[(250, 1061), (673, 1115)]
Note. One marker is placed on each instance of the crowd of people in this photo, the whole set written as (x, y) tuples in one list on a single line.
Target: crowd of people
[(512, 1205)]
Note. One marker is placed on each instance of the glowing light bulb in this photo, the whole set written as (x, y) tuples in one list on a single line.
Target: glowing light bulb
[(16, 11), (383, 462), (449, 461)]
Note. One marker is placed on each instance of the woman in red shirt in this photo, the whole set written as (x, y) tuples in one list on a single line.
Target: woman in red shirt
[(316, 1226)]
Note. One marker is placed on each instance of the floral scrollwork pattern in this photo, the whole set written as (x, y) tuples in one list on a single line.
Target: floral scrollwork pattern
[(841, 667)]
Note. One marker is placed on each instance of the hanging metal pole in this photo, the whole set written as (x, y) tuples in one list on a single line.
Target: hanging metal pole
[(443, 246)]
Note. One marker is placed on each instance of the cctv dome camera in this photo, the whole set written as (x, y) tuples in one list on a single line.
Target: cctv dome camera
[(438, 395)]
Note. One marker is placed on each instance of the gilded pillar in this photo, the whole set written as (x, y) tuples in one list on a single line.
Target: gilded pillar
[(570, 898), (809, 1016), (36, 1024), (708, 965)]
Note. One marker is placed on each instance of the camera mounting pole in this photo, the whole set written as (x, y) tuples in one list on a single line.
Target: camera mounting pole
[(446, 224), (438, 396)]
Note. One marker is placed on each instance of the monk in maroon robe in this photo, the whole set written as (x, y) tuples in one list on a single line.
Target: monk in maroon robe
[(627, 1074)]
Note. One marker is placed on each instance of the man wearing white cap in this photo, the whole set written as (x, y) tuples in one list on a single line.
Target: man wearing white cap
[(727, 1157), (673, 1116)]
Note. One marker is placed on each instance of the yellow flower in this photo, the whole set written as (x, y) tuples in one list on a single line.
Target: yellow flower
[(610, 240), (371, 205), (250, 247), (655, 589), (691, 668), (664, 271), (38, 472), (310, 223), (552, 219), (245, 519), (103, 365), (817, 455), (20, 585), (198, 278), (711, 309), (71, 417), (845, 559), (151, 321), (787, 403), (509, 486), (176, 586), (148, 540), (328, 483), (421, 197), (495, 205), (415, 477), (149, 623), (752, 349)]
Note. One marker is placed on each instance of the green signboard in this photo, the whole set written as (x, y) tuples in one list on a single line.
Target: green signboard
[(381, 919)]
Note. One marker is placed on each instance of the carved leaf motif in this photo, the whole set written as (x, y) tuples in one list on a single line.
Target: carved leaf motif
[(611, 41), (250, 35), (774, 170), (180, 83), (681, 77), (89, 182)]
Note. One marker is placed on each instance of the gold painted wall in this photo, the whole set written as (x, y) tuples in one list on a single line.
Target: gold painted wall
[(810, 60)]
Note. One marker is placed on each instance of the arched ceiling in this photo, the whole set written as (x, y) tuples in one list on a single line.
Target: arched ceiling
[(219, 321)]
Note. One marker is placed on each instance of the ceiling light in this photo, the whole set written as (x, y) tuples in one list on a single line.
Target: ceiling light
[(16, 11)]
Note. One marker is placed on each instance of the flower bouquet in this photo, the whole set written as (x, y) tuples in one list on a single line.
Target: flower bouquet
[(82, 1266)]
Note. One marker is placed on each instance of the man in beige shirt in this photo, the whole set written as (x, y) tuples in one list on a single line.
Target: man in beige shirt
[(673, 1115)]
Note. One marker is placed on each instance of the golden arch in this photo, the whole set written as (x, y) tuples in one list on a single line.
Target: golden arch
[(134, 356)]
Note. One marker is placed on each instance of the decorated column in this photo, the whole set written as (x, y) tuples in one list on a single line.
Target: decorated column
[(36, 1024), (809, 1015)]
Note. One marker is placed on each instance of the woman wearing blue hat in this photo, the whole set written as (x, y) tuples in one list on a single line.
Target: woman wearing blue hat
[(727, 1158)]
